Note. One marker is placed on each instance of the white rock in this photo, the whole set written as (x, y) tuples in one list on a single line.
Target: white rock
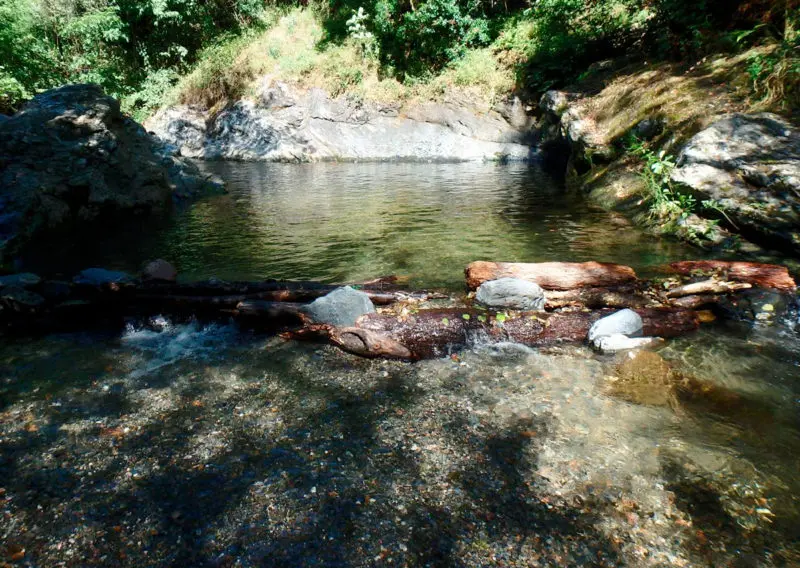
[(619, 342), (624, 322)]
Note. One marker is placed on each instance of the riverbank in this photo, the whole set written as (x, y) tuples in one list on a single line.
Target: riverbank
[(684, 151)]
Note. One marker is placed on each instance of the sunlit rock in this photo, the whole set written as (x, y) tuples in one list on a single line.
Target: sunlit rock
[(625, 322), (342, 307), (745, 170)]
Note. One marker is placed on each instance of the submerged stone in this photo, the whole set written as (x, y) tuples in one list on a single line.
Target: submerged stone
[(644, 378), (342, 307), (20, 298), (512, 293), (22, 280), (619, 342)]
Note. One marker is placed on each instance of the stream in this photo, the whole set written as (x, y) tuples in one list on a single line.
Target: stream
[(195, 444)]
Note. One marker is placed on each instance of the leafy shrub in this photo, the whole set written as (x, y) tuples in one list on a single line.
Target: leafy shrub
[(12, 93)]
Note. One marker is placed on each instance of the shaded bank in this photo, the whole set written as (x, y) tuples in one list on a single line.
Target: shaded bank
[(70, 158)]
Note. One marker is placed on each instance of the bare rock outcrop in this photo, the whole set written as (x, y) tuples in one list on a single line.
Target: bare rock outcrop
[(287, 124)]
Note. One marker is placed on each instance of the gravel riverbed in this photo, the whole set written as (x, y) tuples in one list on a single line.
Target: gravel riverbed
[(199, 445)]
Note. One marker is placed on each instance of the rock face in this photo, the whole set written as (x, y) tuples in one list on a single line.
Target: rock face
[(512, 293), (287, 124), (342, 307), (566, 124), (749, 166), (70, 156)]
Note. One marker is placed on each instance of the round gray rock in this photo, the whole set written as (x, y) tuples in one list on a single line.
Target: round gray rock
[(625, 322), (342, 307), (160, 270), (511, 293)]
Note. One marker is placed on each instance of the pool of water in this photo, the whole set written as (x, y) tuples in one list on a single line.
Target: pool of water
[(349, 222), (199, 444)]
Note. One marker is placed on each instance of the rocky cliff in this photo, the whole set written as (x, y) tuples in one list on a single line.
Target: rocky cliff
[(285, 123)]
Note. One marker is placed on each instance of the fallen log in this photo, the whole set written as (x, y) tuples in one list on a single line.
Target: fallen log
[(760, 275), (595, 298), (432, 333), (297, 295), (711, 286), (552, 275), (273, 311)]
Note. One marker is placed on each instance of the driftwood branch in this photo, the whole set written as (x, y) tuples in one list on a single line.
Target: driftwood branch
[(708, 287)]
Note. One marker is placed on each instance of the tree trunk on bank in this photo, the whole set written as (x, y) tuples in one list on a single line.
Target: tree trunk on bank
[(756, 274), (552, 275)]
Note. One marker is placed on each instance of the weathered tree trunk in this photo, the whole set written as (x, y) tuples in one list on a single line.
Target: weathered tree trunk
[(552, 275), (273, 311), (760, 275), (430, 333), (230, 301)]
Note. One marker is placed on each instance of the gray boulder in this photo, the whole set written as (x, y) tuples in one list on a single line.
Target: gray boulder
[(342, 307), (624, 322), (21, 280), (19, 299), (747, 169), (160, 269), (511, 293), (70, 156)]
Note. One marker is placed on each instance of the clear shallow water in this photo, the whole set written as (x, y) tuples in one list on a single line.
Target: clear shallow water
[(349, 222), (201, 445)]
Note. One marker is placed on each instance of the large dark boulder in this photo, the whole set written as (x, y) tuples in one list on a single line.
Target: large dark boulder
[(70, 157), (745, 170)]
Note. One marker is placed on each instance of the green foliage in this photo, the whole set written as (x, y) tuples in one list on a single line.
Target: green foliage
[(417, 39), (11, 92), (358, 32), (135, 49), (775, 76), (666, 204), (138, 49), (437, 32)]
